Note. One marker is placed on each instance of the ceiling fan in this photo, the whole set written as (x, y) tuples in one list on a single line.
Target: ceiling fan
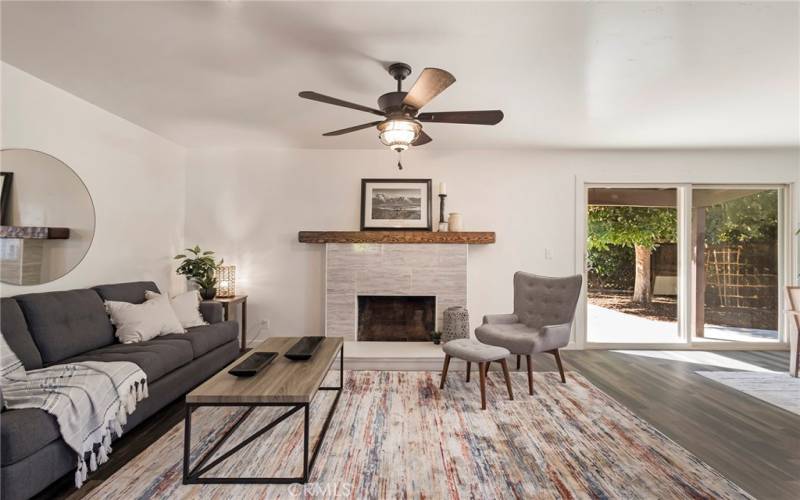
[(401, 123)]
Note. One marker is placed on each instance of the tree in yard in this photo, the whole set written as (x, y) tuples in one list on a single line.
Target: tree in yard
[(642, 228), (749, 218)]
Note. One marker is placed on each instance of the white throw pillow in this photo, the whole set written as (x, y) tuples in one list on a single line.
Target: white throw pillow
[(140, 322), (186, 306)]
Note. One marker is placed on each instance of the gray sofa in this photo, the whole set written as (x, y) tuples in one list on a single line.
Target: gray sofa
[(50, 328)]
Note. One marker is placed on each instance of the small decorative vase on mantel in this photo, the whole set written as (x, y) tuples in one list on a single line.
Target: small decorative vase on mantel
[(454, 222)]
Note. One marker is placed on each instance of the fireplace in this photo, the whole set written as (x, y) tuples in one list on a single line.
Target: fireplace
[(396, 318), (392, 271)]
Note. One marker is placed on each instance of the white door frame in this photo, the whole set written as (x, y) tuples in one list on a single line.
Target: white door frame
[(786, 265)]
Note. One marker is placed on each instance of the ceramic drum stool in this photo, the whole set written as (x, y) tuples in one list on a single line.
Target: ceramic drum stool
[(455, 324), (472, 351)]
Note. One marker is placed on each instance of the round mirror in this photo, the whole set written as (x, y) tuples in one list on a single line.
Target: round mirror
[(47, 218)]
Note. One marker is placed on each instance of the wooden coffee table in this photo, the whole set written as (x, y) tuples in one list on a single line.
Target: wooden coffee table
[(291, 384)]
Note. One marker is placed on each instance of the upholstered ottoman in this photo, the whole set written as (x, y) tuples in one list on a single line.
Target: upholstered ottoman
[(472, 351)]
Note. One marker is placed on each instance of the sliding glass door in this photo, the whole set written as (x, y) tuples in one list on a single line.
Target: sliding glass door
[(632, 265), (735, 254), (683, 264)]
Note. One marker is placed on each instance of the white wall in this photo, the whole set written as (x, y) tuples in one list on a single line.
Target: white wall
[(136, 180), (249, 205)]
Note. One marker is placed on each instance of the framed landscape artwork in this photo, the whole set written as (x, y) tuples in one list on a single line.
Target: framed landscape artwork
[(396, 204)]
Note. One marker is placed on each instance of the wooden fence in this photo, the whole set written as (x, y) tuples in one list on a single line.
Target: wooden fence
[(740, 275)]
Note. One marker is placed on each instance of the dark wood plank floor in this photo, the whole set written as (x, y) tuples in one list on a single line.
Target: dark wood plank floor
[(751, 442)]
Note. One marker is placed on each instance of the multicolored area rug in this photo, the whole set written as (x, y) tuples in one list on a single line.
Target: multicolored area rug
[(396, 435)]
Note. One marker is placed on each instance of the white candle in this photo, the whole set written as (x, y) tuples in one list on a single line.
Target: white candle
[(442, 188)]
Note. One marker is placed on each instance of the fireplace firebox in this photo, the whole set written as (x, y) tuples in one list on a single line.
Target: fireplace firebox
[(390, 318)]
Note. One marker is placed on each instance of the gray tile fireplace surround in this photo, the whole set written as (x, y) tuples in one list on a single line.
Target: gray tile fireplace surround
[(390, 269)]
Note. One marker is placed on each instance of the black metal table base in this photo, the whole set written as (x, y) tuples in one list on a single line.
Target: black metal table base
[(194, 475)]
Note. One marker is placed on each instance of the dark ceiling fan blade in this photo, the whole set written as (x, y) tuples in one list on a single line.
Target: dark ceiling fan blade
[(337, 102), (352, 129), (492, 117), (422, 139), (431, 82)]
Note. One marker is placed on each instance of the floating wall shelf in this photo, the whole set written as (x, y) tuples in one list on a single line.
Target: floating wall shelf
[(34, 232)]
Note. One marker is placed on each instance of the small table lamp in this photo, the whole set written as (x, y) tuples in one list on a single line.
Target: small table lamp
[(226, 281)]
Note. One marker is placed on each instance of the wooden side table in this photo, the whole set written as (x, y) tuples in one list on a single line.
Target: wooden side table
[(232, 301)]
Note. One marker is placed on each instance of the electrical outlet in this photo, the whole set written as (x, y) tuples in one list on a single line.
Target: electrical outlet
[(548, 254), (260, 333)]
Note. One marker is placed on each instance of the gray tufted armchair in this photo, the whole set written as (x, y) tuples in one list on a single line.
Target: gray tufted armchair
[(544, 309)]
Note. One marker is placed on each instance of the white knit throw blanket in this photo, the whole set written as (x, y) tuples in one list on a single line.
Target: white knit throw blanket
[(90, 400)]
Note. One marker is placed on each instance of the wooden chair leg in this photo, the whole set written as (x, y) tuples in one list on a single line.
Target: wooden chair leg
[(530, 373), (469, 369), (519, 362), (504, 364), (560, 366), (482, 373), (444, 370)]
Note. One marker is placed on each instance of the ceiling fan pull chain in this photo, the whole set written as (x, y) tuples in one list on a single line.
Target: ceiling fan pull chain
[(399, 158)]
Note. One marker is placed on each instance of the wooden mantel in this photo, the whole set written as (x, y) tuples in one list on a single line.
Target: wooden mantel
[(468, 238)]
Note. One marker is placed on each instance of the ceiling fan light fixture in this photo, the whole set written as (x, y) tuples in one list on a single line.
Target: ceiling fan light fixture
[(400, 125), (399, 134)]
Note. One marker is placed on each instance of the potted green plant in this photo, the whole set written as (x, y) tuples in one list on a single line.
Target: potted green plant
[(436, 337), (200, 267), (208, 286)]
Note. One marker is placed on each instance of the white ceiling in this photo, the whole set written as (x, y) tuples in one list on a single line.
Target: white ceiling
[(610, 75)]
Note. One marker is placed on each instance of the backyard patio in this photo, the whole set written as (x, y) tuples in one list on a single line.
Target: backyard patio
[(614, 325)]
